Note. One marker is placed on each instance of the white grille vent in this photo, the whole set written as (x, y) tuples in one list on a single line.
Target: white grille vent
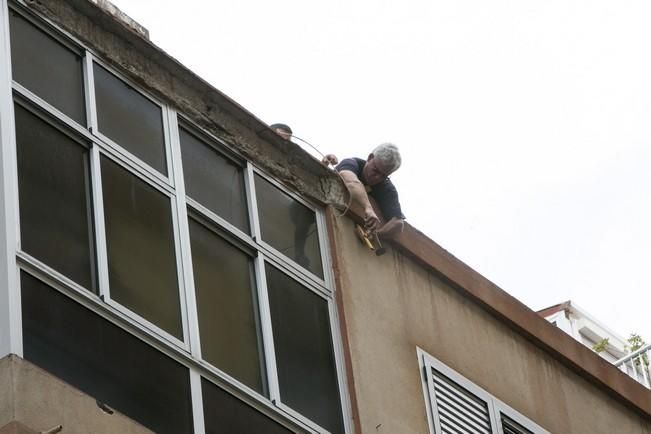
[(459, 410), (458, 406)]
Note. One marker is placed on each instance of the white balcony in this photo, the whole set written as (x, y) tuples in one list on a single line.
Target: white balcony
[(636, 365)]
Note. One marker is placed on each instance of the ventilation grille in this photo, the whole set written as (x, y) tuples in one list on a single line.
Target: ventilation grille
[(459, 411), (509, 426)]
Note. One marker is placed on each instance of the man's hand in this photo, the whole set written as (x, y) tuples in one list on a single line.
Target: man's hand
[(329, 160), (371, 220)]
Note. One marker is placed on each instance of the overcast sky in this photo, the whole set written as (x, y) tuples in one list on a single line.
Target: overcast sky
[(525, 126)]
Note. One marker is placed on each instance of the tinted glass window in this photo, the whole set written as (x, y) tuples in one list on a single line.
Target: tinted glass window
[(214, 181), (140, 242), (288, 226), (54, 194), (129, 119), (47, 68), (304, 354), (103, 360), (226, 302), (225, 414)]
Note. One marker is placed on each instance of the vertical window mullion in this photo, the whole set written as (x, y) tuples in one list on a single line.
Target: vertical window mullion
[(11, 339), (337, 347), (89, 92), (263, 296), (100, 230), (197, 402), (322, 229), (97, 199), (179, 218), (249, 182), (267, 332), (335, 328), (176, 216), (185, 255)]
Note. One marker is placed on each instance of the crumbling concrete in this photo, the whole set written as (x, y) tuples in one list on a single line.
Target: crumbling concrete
[(130, 52)]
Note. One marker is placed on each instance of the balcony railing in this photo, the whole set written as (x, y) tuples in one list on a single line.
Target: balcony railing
[(636, 365)]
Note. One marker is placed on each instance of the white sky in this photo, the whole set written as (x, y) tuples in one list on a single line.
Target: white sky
[(525, 126)]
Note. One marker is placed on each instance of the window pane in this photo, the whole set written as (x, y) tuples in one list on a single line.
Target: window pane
[(304, 354), (226, 303), (140, 242), (225, 414), (509, 426), (103, 360), (54, 194), (47, 68), (288, 226), (129, 119), (214, 181)]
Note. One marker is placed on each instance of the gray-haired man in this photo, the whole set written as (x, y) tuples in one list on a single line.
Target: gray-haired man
[(370, 177)]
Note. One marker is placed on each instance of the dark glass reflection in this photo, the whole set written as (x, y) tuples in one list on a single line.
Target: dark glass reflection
[(226, 303), (103, 360), (47, 68), (129, 119), (214, 181), (304, 353), (225, 414), (140, 243), (288, 226), (54, 193)]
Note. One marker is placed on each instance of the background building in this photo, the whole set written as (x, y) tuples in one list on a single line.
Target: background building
[(170, 264), (577, 323), (592, 333)]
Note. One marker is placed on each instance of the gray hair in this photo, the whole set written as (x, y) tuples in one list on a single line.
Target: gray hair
[(389, 155)]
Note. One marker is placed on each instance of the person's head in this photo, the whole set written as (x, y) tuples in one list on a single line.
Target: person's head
[(282, 130), (382, 162)]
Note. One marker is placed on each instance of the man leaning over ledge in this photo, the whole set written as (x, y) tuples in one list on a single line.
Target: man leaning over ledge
[(370, 177)]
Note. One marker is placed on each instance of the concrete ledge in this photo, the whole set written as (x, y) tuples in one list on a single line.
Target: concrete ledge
[(37, 399), (16, 428)]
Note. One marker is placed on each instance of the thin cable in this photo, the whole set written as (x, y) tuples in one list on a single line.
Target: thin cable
[(350, 199), (310, 145)]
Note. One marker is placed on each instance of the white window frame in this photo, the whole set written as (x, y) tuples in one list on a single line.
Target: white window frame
[(11, 339), (495, 406), (324, 283), (108, 142), (187, 352)]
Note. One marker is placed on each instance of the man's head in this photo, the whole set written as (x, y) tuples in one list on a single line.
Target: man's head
[(382, 162), (282, 130)]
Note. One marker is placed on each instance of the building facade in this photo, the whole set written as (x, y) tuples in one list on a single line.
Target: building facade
[(169, 264)]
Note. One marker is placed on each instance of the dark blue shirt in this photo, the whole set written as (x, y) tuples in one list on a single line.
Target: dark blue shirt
[(384, 193)]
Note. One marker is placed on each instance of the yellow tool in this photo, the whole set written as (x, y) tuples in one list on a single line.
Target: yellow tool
[(364, 238)]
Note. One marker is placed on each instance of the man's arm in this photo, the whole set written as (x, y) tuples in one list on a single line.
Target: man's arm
[(391, 228), (359, 195)]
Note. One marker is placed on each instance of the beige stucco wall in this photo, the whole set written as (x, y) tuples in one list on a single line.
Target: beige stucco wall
[(40, 401), (392, 306)]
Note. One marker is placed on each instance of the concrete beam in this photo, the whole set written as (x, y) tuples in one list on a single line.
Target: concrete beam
[(147, 65)]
